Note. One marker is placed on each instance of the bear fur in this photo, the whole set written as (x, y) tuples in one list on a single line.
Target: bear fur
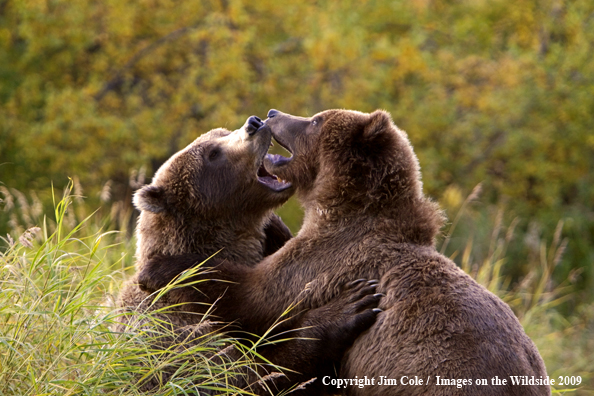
[(192, 203), (214, 197), (366, 217)]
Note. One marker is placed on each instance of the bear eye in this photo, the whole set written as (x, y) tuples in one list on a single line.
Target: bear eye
[(214, 153), (314, 122)]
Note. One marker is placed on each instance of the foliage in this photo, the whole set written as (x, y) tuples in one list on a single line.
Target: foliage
[(495, 91)]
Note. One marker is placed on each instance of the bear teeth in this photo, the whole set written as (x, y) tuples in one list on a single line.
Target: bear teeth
[(279, 179)]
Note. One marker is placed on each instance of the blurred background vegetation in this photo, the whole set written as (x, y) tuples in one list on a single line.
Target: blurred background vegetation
[(497, 97)]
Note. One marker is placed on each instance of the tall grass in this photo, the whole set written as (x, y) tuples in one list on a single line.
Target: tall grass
[(57, 318)]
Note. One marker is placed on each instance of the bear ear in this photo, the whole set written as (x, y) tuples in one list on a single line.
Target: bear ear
[(374, 136), (151, 198), (379, 123)]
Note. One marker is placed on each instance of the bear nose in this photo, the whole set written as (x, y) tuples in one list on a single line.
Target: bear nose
[(272, 113), (253, 125)]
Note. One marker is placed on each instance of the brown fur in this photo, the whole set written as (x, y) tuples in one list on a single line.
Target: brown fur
[(366, 216), (366, 213), (207, 199), (192, 206)]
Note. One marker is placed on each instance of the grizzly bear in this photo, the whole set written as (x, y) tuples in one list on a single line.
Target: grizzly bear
[(366, 216), (214, 196)]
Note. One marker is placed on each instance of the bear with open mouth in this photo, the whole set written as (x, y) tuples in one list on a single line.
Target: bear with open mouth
[(366, 217), (215, 197)]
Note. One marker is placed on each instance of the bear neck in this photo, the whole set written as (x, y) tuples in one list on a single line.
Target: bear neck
[(414, 221), (241, 242)]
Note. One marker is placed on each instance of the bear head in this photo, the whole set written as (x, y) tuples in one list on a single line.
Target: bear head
[(346, 163), (213, 194)]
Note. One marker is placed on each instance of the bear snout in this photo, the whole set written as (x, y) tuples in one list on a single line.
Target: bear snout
[(253, 125)]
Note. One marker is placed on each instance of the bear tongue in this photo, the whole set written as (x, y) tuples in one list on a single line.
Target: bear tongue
[(272, 182)]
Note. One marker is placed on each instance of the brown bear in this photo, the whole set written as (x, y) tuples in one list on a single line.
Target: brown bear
[(214, 196), (366, 216)]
